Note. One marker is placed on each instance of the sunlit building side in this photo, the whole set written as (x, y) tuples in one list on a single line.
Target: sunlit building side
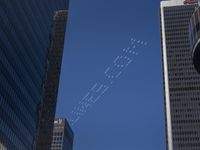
[(62, 135)]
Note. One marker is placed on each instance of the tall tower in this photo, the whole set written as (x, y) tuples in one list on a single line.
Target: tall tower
[(51, 83), (180, 79), (25, 30), (62, 135)]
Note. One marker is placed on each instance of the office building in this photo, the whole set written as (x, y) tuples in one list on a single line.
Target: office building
[(51, 83), (62, 135), (25, 30), (181, 80)]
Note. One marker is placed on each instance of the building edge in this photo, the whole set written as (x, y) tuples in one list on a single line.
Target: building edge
[(166, 79)]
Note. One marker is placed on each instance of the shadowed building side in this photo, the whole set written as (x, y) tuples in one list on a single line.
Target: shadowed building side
[(51, 83)]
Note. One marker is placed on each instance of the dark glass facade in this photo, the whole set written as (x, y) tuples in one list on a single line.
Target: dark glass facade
[(181, 80), (25, 27), (62, 135), (51, 84)]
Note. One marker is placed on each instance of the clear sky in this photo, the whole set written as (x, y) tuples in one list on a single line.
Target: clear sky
[(130, 115)]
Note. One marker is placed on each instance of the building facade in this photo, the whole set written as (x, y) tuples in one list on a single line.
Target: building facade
[(62, 135), (25, 28), (181, 80), (51, 84)]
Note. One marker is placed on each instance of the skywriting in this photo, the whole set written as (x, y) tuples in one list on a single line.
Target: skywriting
[(111, 75), (99, 75)]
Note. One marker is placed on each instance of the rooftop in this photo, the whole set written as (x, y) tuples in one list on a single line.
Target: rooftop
[(168, 3)]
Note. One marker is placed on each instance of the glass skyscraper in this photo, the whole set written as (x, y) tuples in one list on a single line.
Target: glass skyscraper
[(25, 37), (181, 80), (62, 135)]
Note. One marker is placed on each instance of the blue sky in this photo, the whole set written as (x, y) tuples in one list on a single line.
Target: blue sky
[(130, 115)]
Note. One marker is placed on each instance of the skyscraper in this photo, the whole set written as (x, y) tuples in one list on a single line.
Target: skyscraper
[(48, 107), (62, 135), (25, 29), (181, 81)]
